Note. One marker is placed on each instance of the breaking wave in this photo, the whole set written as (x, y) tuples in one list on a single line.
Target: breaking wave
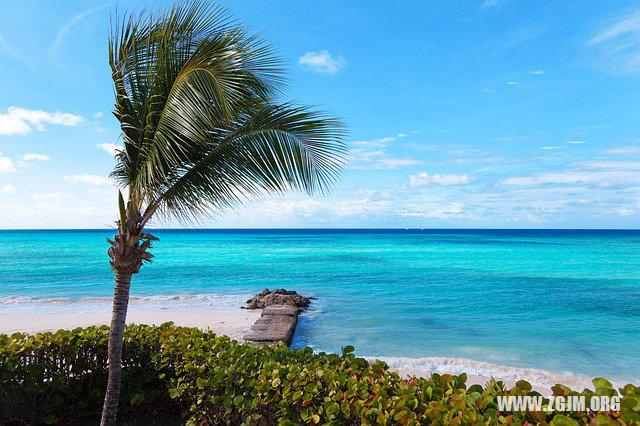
[(19, 304), (510, 375)]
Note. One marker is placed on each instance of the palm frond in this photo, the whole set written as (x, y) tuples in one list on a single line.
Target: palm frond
[(273, 149), (196, 96)]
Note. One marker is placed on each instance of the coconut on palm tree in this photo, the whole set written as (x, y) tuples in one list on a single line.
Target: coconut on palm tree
[(203, 129)]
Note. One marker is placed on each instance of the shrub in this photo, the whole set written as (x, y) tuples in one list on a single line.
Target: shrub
[(216, 380), (49, 377)]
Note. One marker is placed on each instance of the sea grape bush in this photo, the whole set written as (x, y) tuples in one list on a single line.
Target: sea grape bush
[(50, 377), (61, 376)]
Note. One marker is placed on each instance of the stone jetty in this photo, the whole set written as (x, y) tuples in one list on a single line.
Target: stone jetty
[(280, 309)]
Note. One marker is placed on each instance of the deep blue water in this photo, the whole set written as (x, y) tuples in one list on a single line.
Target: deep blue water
[(559, 300)]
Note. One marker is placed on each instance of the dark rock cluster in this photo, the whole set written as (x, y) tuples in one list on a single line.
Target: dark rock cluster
[(278, 297)]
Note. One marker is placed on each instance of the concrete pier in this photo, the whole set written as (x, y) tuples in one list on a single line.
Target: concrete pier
[(276, 324)]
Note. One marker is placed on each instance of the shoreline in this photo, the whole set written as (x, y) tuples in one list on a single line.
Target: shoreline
[(480, 372), (235, 323), (232, 323)]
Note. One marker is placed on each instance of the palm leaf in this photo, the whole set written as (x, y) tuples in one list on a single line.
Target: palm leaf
[(274, 149), (202, 127)]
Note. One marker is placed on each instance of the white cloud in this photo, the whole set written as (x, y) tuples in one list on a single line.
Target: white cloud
[(88, 179), (5, 46), (74, 213), (30, 156), (59, 195), (16, 54), (312, 209), (377, 160), (424, 179), (373, 194), (110, 148), (97, 114), (8, 188), (621, 165), (515, 38), (382, 142), (619, 44), (365, 155), (474, 160), (6, 165), (322, 62), (576, 142), (549, 147), (536, 72), (513, 83), (64, 30), (394, 163), (623, 150), (553, 178), (489, 91), (628, 24), (437, 212), (19, 121), (373, 157), (601, 174), (490, 3), (377, 143)]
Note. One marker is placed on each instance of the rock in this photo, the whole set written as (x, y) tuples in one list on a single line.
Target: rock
[(278, 297)]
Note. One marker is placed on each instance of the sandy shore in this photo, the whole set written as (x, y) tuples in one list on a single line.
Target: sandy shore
[(232, 323)]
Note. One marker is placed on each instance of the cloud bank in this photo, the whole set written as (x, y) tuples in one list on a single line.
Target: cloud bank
[(21, 121)]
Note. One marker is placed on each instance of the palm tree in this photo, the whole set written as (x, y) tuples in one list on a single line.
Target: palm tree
[(197, 100)]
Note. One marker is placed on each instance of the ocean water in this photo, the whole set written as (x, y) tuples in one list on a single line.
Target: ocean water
[(546, 305)]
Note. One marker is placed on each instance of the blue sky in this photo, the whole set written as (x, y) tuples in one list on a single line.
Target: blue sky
[(496, 113)]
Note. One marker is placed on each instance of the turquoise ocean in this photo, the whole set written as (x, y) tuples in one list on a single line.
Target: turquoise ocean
[(543, 304)]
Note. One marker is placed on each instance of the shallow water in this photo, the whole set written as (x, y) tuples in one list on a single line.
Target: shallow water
[(552, 300)]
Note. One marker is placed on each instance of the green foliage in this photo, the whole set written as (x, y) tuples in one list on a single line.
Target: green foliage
[(123, 212), (218, 381), (62, 376)]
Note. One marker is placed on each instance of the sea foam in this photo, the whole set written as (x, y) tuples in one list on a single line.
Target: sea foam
[(509, 374), (19, 304)]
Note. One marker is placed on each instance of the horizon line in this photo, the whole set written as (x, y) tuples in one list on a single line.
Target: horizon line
[(326, 229)]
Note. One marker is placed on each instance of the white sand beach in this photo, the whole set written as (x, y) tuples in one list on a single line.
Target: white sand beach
[(232, 323)]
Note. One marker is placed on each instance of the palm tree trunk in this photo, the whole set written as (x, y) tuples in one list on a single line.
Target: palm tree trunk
[(116, 336)]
